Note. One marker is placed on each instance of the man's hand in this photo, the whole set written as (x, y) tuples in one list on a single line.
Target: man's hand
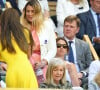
[(96, 39)]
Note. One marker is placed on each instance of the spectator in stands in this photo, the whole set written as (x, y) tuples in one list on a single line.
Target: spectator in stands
[(62, 52), (95, 84), (93, 70), (69, 7), (62, 47), (43, 35), (12, 38), (90, 25), (56, 75), (80, 50)]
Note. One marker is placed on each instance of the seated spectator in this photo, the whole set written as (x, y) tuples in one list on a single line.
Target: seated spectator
[(95, 83), (56, 75), (90, 24), (66, 8), (62, 48), (62, 52), (79, 51)]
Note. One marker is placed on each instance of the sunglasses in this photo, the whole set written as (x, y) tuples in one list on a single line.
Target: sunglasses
[(62, 45)]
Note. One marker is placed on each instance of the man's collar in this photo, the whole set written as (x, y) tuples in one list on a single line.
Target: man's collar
[(69, 40)]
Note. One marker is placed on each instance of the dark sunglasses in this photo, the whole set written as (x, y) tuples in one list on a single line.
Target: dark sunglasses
[(62, 45)]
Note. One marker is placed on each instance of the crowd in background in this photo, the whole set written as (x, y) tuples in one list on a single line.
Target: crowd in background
[(36, 52)]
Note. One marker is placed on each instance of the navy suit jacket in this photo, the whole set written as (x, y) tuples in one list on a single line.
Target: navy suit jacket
[(88, 27)]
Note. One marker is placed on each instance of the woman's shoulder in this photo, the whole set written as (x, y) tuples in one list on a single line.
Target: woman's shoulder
[(43, 85), (68, 85)]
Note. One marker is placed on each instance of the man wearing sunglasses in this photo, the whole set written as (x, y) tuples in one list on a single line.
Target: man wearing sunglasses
[(81, 52)]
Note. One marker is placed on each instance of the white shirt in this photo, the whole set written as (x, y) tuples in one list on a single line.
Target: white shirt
[(74, 53), (65, 8)]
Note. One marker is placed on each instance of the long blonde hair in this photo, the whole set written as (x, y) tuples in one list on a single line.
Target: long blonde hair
[(38, 18), (54, 63)]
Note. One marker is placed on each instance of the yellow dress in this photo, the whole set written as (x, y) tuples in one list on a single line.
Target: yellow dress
[(19, 70)]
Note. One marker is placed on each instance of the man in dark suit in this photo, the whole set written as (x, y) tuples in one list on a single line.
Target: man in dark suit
[(81, 51), (90, 25)]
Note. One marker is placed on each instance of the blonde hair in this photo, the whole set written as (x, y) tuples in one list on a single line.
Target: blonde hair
[(38, 18), (97, 79), (53, 64)]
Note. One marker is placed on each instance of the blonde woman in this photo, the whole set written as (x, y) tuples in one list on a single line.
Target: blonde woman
[(42, 32), (56, 75)]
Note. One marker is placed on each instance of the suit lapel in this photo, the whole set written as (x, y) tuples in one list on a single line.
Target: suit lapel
[(90, 16), (79, 57), (77, 50)]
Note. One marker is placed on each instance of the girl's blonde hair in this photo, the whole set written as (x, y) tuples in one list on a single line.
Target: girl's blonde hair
[(38, 18), (53, 64)]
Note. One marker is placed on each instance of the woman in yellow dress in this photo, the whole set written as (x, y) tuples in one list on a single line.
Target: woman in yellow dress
[(14, 46)]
